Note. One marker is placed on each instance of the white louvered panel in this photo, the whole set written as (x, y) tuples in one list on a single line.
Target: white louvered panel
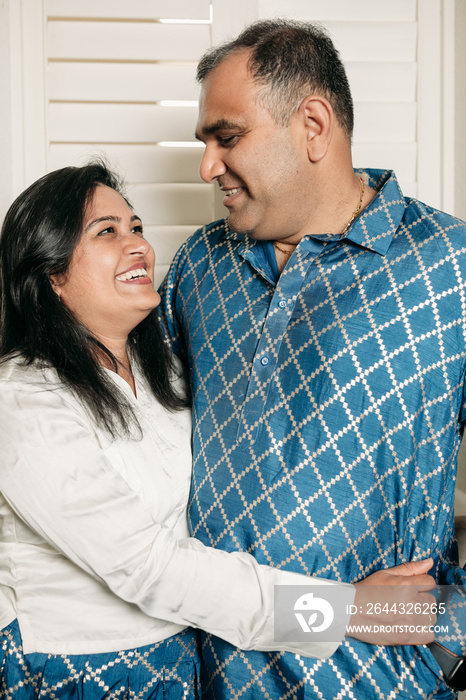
[(382, 82), (126, 41), (164, 205), (110, 65), (400, 157), (391, 122), (121, 82), (166, 240), (374, 41), (378, 45), (160, 272), (115, 123), (378, 41), (360, 11), (136, 163), (135, 9), (172, 204)]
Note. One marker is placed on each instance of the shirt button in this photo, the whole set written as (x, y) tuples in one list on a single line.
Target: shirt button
[(264, 361), (282, 304)]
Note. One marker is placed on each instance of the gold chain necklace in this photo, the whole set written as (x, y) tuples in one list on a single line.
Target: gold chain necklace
[(288, 253), (362, 184), (358, 208)]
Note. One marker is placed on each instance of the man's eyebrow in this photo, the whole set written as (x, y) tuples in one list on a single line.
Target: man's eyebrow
[(109, 217), (219, 125)]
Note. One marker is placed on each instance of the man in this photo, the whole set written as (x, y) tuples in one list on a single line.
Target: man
[(324, 328)]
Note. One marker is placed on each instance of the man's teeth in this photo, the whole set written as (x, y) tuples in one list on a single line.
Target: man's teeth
[(233, 191), (132, 274)]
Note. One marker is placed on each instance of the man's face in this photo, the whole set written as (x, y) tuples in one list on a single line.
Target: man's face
[(262, 167)]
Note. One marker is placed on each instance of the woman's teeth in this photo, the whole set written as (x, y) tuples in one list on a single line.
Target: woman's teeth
[(132, 274)]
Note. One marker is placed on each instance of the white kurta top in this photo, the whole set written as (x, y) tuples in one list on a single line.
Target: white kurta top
[(95, 553)]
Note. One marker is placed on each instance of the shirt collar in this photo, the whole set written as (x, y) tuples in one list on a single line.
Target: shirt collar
[(376, 226)]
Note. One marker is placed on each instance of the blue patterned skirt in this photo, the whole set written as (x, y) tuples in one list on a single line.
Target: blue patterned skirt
[(167, 670)]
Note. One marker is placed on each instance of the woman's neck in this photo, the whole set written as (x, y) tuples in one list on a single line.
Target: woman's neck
[(119, 349)]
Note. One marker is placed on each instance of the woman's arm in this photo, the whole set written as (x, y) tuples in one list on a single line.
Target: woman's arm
[(58, 480)]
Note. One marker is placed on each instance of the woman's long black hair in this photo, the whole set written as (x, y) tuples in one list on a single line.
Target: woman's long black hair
[(39, 235)]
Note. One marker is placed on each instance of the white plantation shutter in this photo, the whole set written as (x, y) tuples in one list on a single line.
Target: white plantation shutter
[(378, 43), (117, 77)]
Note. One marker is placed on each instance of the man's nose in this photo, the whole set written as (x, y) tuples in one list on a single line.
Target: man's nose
[(212, 166)]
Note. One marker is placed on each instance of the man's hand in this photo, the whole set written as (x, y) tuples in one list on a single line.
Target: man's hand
[(393, 606)]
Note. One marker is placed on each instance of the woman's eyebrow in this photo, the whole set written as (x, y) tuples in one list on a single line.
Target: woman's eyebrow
[(109, 217)]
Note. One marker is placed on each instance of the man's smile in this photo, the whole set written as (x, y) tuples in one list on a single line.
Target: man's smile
[(230, 192)]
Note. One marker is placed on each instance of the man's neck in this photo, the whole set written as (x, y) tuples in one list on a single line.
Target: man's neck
[(337, 209)]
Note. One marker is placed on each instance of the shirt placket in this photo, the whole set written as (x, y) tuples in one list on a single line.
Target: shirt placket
[(277, 319)]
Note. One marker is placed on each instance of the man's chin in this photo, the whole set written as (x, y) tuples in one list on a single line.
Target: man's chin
[(242, 227), (236, 225)]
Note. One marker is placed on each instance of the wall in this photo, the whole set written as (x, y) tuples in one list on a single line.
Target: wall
[(460, 179), (5, 110), (460, 109)]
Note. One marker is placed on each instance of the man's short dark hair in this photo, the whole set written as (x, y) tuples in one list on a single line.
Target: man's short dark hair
[(290, 60)]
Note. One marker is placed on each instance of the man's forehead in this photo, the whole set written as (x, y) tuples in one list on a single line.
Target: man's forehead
[(227, 96), (231, 74)]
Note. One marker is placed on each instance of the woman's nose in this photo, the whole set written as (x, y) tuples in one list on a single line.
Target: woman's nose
[(135, 243)]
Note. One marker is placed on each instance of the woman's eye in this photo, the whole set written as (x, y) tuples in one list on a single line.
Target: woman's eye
[(110, 229), (138, 229)]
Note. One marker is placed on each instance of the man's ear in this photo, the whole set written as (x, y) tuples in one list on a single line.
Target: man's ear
[(317, 115)]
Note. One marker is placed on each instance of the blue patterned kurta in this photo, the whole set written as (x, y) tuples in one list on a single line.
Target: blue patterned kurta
[(165, 670), (328, 414)]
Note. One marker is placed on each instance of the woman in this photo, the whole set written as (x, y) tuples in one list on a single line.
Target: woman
[(99, 578)]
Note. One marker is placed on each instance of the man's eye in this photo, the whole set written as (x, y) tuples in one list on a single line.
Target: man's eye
[(227, 141)]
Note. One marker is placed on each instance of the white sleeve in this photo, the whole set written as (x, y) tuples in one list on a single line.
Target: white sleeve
[(57, 479)]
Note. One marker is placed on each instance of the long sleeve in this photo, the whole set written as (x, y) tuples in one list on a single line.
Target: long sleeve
[(63, 485)]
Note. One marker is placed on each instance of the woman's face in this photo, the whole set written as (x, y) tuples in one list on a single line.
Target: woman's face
[(109, 284)]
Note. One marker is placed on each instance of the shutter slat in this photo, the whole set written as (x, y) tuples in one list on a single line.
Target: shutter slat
[(360, 11), (391, 122), (172, 204), (126, 41), (166, 240), (396, 82), (408, 188), (128, 123), (136, 9), (400, 157), (108, 123), (120, 82), (374, 41), (160, 272), (137, 164)]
